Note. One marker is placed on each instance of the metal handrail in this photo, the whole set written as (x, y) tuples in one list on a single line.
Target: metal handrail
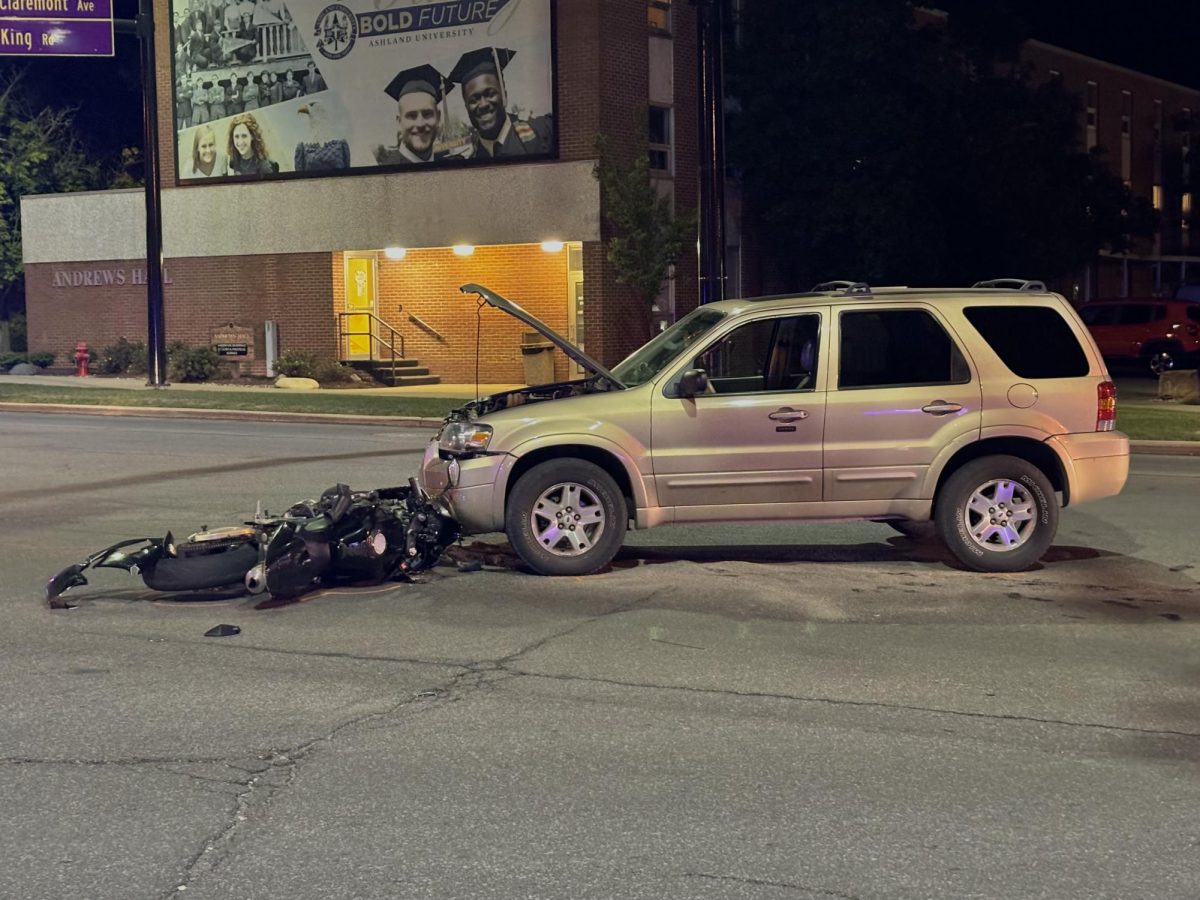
[(426, 327), (389, 342)]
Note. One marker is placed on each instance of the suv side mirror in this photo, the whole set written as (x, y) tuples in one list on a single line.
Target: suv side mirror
[(693, 382)]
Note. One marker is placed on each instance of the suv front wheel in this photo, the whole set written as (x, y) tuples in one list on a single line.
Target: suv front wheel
[(997, 514), (566, 517)]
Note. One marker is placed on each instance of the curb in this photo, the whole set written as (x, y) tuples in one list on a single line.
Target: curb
[(167, 412), (1166, 448)]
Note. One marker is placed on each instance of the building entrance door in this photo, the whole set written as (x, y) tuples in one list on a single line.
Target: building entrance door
[(361, 279)]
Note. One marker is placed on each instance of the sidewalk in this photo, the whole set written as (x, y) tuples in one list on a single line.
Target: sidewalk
[(139, 384)]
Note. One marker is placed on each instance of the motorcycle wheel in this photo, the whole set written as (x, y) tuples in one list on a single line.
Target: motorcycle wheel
[(202, 572)]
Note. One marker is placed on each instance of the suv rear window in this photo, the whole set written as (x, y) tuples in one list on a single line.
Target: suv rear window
[(894, 348), (1033, 341)]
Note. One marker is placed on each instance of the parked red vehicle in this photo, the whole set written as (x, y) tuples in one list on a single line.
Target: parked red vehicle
[(1154, 333)]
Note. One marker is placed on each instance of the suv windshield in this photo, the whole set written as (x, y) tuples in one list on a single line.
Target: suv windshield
[(644, 364)]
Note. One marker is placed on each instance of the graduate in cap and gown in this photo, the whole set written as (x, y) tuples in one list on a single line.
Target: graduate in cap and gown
[(419, 93), (497, 133)]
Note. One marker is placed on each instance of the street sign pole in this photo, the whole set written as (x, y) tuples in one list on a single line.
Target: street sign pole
[(156, 337), (156, 334)]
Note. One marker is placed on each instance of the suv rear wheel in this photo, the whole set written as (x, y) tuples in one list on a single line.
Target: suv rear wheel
[(997, 514), (566, 517)]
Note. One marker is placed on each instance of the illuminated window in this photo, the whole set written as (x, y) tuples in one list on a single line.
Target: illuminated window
[(658, 16), (1093, 112), (1156, 196), (1126, 138), (659, 133)]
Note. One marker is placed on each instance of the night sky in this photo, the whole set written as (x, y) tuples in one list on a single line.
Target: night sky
[(1159, 37)]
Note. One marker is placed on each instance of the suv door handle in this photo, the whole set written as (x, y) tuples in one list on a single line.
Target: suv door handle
[(941, 408), (787, 414)]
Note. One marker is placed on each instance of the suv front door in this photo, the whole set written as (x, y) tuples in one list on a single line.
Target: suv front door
[(755, 438), (903, 391)]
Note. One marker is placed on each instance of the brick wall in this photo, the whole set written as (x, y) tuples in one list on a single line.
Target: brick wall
[(204, 293), (426, 284)]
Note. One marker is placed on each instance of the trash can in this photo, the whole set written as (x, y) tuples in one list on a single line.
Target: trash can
[(537, 354)]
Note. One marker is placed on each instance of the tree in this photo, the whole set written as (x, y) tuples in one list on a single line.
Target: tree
[(647, 234), (40, 153), (873, 148)]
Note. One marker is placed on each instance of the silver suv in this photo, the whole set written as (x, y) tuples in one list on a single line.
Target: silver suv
[(972, 408)]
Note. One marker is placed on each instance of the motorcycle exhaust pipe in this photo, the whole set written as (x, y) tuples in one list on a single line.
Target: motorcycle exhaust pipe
[(256, 579)]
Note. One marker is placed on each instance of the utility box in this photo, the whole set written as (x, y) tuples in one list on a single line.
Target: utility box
[(1179, 386), (537, 354)]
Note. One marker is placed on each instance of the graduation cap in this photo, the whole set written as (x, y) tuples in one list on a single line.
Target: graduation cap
[(224, 82), (484, 61), (424, 79), (244, 81), (206, 85)]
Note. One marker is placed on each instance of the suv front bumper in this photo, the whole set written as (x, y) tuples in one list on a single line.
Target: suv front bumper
[(472, 489)]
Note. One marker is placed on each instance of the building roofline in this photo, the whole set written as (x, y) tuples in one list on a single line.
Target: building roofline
[(1073, 54)]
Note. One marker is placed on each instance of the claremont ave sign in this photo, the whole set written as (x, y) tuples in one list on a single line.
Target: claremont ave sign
[(56, 28)]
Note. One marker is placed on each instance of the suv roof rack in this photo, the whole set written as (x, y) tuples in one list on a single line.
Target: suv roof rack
[(1013, 284), (849, 288)]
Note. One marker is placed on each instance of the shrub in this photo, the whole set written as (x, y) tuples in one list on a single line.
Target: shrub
[(42, 360), (123, 358), (330, 371), (295, 364), (16, 333), (190, 364), (10, 359)]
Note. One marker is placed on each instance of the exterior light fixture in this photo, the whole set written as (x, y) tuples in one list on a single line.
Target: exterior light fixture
[(463, 249), (395, 252), (552, 246)]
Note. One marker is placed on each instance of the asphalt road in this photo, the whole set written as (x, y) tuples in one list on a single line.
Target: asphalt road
[(790, 712)]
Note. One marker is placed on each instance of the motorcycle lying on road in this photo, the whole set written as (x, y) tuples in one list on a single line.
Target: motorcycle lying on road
[(343, 536)]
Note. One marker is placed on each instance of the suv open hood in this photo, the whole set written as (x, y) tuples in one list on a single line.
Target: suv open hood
[(493, 299)]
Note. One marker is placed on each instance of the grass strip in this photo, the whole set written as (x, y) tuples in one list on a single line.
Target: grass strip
[(1139, 422), (346, 403), (1144, 423)]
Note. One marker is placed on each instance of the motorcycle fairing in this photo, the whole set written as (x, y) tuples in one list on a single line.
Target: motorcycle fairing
[(113, 557)]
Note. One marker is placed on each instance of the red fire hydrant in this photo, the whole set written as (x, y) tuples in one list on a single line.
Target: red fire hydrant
[(82, 358)]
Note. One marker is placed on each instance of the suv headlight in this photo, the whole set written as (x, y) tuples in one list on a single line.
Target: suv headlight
[(465, 437)]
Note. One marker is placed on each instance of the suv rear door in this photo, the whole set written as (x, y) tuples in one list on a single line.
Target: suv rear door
[(901, 391)]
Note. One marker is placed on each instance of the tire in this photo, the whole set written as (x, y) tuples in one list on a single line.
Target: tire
[(1021, 497), (209, 570), (1161, 358), (549, 493)]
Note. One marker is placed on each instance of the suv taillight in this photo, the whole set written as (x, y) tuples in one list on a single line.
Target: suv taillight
[(1106, 406)]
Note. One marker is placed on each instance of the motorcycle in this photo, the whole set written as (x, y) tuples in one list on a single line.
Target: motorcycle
[(344, 535)]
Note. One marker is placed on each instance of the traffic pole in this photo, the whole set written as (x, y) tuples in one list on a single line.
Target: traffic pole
[(156, 339)]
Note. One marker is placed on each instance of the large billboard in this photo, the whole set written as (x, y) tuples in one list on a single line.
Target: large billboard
[(278, 88)]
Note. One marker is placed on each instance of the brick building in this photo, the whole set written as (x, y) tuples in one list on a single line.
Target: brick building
[(314, 254), (1146, 128)]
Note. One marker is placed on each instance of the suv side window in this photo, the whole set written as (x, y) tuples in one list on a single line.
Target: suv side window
[(764, 355), (1033, 341), (1136, 314), (895, 347)]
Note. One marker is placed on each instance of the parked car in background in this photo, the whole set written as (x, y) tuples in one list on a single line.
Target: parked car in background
[(1153, 333), (975, 409)]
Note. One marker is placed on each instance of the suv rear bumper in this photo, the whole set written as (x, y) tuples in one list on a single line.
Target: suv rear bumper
[(1096, 463)]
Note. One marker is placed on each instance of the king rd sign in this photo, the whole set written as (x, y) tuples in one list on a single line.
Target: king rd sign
[(56, 28)]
